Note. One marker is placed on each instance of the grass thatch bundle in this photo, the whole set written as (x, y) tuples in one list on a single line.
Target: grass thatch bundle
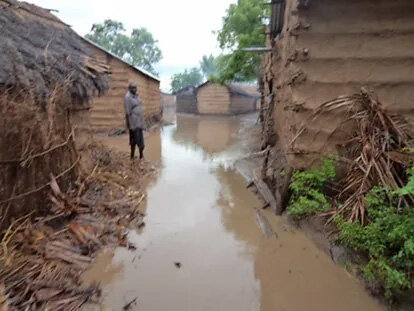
[(374, 150), (34, 143), (38, 51)]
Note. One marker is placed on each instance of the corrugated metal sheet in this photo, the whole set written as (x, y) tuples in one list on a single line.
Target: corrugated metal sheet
[(277, 17)]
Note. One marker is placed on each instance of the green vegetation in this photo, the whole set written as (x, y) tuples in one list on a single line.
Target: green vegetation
[(139, 48), (307, 196), (208, 66), (388, 237), (191, 76), (243, 27)]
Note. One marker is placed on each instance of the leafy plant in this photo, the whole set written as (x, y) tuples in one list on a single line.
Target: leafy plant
[(188, 77), (307, 189), (388, 238), (243, 27)]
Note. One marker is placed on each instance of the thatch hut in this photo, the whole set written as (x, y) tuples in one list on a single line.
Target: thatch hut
[(187, 100), (108, 111), (224, 99), (47, 80)]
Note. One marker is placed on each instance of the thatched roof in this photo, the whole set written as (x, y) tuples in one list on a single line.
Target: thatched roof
[(38, 51), (187, 90), (242, 90), (250, 89), (135, 68)]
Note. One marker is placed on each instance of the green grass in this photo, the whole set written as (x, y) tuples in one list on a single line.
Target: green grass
[(388, 237), (307, 195)]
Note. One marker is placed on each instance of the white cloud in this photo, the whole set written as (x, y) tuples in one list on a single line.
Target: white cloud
[(182, 27)]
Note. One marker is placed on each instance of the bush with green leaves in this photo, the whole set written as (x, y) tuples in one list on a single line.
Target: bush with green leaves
[(307, 195), (387, 239), (388, 236)]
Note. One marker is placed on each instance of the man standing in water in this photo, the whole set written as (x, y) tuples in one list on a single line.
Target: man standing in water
[(134, 115)]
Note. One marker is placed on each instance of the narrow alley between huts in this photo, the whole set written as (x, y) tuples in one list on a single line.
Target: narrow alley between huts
[(225, 155)]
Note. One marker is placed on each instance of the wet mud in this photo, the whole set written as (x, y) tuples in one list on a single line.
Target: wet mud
[(206, 246)]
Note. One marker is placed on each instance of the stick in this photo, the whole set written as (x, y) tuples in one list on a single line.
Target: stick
[(266, 194), (38, 154), (129, 304), (42, 187)]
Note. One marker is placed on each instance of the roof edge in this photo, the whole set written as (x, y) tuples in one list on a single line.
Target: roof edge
[(145, 72), (230, 88)]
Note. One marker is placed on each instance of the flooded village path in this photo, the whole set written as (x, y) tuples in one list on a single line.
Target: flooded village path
[(203, 246)]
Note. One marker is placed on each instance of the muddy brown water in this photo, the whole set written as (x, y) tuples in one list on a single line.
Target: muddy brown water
[(200, 215)]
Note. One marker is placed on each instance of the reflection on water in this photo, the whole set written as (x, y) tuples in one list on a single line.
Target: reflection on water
[(212, 134), (199, 213)]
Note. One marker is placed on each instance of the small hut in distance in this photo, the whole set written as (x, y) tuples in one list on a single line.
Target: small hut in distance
[(217, 99), (187, 100), (227, 99)]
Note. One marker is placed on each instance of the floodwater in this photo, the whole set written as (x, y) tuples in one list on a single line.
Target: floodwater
[(205, 247)]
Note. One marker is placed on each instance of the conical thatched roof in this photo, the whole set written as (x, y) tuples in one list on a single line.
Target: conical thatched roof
[(38, 51)]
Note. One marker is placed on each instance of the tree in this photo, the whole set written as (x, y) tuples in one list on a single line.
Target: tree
[(242, 27), (191, 76), (208, 66), (139, 49)]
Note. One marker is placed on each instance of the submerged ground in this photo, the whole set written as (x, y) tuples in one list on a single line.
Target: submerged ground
[(206, 247)]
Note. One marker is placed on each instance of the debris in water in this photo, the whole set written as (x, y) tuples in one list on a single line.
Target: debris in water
[(265, 225), (44, 257), (130, 304)]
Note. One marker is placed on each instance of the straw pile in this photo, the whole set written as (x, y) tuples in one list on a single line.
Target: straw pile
[(377, 151)]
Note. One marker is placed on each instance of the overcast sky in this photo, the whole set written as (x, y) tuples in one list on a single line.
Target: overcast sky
[(182, 27)]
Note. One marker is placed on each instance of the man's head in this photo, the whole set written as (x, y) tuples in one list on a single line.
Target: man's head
[(132, 87)]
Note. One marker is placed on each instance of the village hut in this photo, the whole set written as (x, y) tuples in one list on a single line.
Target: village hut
[(47, 80), (187, 100), (108, 111), (168, 100), (224, 99), (322, 49), (253, 90)]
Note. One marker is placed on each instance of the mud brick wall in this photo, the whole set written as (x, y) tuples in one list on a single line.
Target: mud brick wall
[(108, 111), (213, 99), (332, 48)]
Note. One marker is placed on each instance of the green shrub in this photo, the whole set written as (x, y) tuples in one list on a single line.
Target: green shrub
[(307, 189), (388, 238)]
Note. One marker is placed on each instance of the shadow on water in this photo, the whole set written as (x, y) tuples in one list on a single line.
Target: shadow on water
[(200, 214)]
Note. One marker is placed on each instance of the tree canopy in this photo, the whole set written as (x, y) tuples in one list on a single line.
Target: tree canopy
[(208, 66), (242, 27), (188, 77), (139, 49)]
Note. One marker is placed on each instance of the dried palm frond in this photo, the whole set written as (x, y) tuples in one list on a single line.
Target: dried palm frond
[(371, 147)]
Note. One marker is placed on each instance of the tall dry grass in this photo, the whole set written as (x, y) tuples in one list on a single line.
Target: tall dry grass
[(36, 142)]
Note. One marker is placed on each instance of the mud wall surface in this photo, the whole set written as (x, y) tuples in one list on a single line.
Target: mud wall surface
[(80, 120), (242, 104), (213, 99), (332, 48), (168, 100), (108, 111), (187, 102)]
